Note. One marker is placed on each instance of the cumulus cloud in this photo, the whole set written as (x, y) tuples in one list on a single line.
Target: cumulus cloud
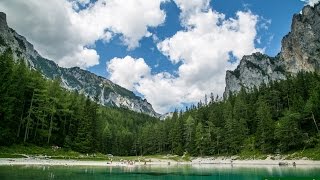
[(135, 74), (127, 71), (190, 7), (66, 31), (203, 48), (63, 32), (311, 2), (84, 58)]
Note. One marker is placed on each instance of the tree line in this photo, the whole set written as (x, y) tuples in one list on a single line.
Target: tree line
[(278, 117), (35, 110)]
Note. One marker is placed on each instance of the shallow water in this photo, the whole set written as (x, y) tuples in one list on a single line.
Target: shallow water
[(157, 172)]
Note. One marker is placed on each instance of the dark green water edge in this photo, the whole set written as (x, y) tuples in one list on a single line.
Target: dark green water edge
[(159, 172)]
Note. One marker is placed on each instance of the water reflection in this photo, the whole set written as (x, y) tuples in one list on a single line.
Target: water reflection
[(156, 172)]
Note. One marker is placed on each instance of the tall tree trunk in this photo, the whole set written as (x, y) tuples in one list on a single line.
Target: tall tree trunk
[(315, 122), (35, 132), (64, 125), (26, 133), (21, 121), (50, 128)]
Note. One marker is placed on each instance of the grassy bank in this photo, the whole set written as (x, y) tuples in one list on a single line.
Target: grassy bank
[(310, 153), (23, 151)]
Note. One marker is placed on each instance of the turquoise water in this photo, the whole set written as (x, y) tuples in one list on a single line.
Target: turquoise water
[(147, 172)]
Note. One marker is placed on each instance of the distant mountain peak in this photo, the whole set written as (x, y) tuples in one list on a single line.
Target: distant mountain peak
[(3, 18), (300, 51)]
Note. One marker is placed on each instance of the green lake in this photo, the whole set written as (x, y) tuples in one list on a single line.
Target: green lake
[(158, 172)]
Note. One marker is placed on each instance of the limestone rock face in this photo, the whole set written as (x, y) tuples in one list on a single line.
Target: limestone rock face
[(300, 52), (74, 79), (252, 71), (301, 47)]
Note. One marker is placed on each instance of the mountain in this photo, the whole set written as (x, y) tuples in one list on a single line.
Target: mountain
[(166, 115), (75, 79), (300, 51)]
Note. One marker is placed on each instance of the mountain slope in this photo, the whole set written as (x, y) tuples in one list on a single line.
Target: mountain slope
[(300, 52), (75, 79)]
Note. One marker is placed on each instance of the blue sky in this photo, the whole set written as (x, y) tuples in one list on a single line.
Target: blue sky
[(276, 15), (279, 12), (171, 52)]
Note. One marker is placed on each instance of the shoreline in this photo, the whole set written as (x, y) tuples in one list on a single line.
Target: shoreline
[(157, 162)]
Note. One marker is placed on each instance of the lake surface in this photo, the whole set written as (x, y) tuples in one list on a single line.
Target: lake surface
[(189, 172)]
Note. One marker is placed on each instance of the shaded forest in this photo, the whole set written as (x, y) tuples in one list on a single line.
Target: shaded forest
[(279, 117)]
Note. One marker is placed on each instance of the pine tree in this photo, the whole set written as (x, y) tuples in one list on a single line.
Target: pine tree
[(199, 139), (234, 131), (288, 133), (6, 103), (178, 139), (83, 140), (312, 107), (265, 129), (189, 127)]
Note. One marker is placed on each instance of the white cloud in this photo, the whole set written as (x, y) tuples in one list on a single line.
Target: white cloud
[(311, 2), (203, 49), (135, 74), (162, 90), (129, 18), (66, 34), (193, 5), (63, 32), (127, 71), (84, 58)]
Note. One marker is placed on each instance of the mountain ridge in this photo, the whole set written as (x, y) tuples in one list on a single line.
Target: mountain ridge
[(75, 79), (300, 51)]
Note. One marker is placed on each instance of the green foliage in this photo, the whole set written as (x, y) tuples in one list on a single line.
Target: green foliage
[(200, 139), (265, 129), (288, 133), (38, 111), (281, 117)]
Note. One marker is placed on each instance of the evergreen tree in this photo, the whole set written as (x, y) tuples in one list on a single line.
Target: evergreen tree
[(190, 134), (199, 139), (288, 133), (83, 140), (38, 111), (265, 130), (178, 138)]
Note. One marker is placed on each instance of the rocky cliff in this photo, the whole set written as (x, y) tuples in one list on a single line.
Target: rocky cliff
[(300, 51), (301, 47), (74, 79)]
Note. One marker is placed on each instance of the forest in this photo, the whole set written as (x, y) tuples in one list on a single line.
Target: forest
[(275, 118)]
